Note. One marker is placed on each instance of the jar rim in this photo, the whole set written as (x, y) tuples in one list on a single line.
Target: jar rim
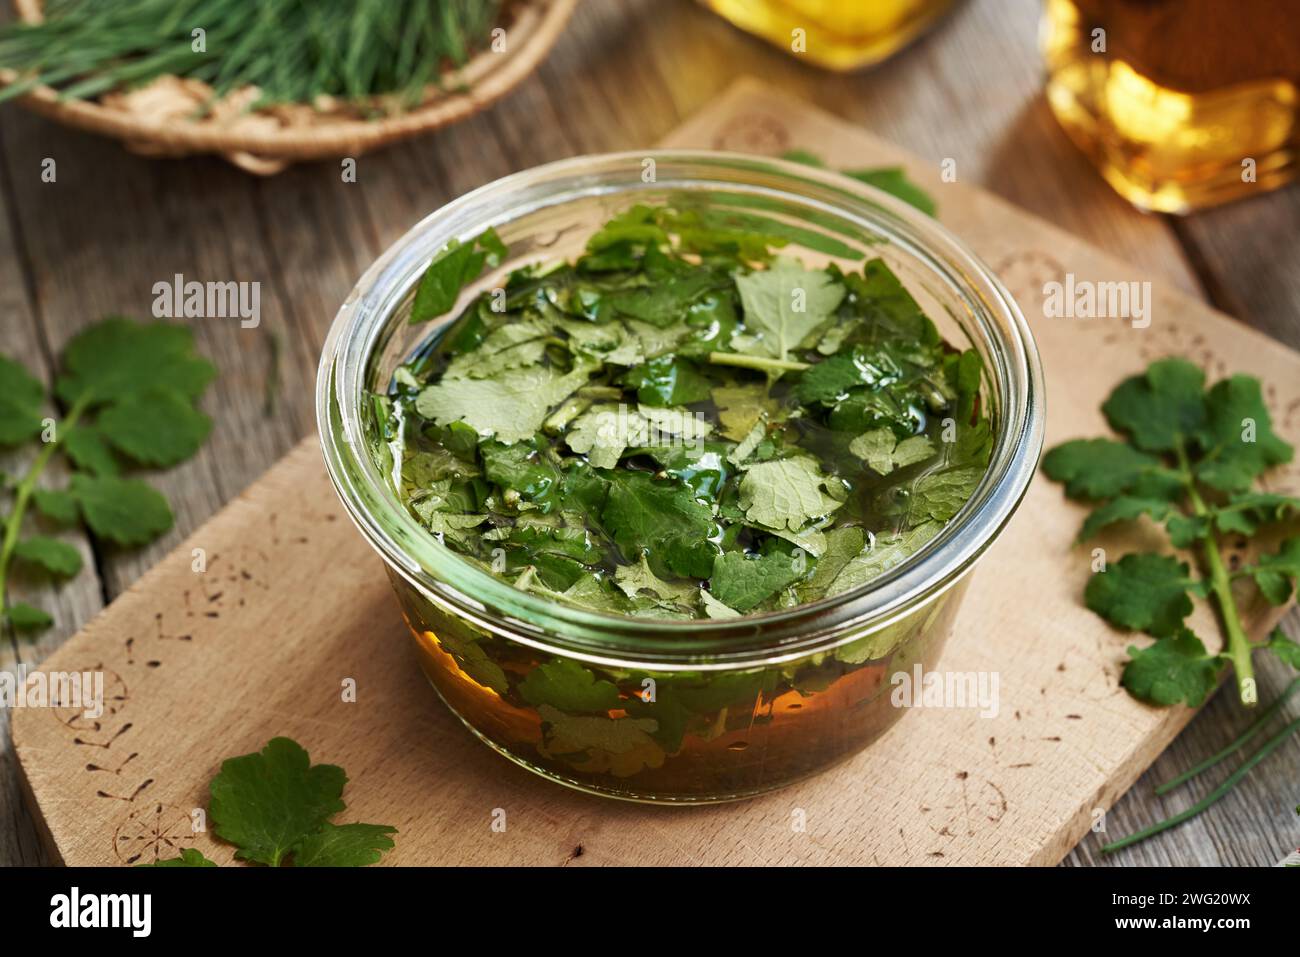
[(494, 603)]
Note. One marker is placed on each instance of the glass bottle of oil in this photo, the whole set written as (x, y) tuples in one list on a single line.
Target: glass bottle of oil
[(1181, 103), (837, 34)]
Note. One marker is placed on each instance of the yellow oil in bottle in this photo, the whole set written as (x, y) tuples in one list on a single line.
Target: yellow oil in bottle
[(1181, 103), (837, 34)]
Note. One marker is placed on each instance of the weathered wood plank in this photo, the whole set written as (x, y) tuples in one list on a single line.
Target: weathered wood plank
[(71, 603), (101, 236), (1247, 250)]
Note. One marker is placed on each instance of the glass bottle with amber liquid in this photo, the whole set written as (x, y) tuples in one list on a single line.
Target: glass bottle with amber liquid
[(836, 34), (1181, 103)]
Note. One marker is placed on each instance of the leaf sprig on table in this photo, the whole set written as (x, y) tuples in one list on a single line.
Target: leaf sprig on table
[(127, 391), (275, 806), (1190, 458)]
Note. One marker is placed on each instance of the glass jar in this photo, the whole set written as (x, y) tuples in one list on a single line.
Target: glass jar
[(836, 34), (1181, 104), (676, 711)]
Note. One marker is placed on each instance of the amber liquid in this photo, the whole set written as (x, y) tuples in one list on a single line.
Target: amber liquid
[(1181, 103), (838, 34), (808, 715)]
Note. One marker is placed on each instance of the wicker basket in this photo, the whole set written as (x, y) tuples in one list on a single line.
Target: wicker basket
[(266, 141)]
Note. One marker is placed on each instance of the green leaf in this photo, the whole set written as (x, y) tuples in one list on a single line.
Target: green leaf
[(24, 617), (344, 845), (783, 306), (117, 358), (620, 746), (938, 496), (57, 505), (1284, 648), (883, 452), (56, 557), (1186, 530), (511, 346), (1145, 592), (509, 408), (744, 583), (838, 376), (127, 511), (662, 520), (158, 428), (1098, 468), (668, 380), (521, 468), (1246, 512), (666, 302), (1237, 436), (86, 447), (1275, 574), (881, 555), (892, 311), (742, 407), (715, 609), (567, 685), (190, 857), (603, 432), (842, 546), (21, 398), (473, 660), (639, 579), (1126, 508), (454, 268), (786, 493), (270, 801), (1176, 668), (1162, 408)]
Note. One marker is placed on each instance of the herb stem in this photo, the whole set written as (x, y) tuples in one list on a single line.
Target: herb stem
[(756, 362), (1238, 645), (23, 493), (1213, 797), (1255, 727)]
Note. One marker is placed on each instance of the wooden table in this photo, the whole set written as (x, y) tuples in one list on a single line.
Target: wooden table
[(95, 241)]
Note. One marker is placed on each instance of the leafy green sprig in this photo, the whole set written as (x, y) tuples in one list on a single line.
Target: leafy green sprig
[(275, 806), (1190, 458), (128, 392)]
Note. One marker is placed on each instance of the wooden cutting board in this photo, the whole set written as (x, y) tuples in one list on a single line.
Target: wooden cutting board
[(205, 665)]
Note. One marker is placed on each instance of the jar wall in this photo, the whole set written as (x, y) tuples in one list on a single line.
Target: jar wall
[(677, 735)]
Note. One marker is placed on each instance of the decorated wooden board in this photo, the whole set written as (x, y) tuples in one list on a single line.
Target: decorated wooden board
[(258, 623)]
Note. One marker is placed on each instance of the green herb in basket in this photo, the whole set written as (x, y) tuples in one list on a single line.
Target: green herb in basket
[(292, 51), (680, 423), (1190, 458)]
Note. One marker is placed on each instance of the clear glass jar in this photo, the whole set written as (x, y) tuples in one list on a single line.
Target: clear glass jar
[(673, 711), (1181, 104)]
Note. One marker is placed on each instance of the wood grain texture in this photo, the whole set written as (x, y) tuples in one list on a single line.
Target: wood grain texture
[(623, 76), (292, 604)]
